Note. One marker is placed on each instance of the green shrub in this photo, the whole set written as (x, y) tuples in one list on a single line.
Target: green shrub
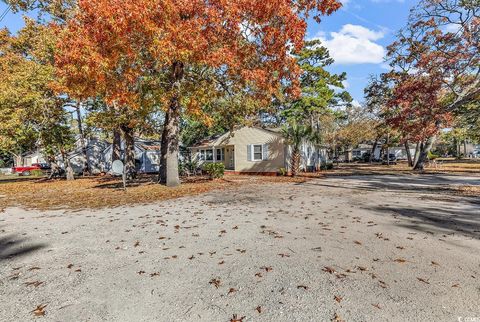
[(326, 166), (36, 173), (282, 171), (214, 170), (432, 156)]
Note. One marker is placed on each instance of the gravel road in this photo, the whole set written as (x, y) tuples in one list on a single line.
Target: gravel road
[(360, 248)]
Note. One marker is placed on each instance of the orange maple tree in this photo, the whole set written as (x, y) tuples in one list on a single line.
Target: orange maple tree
[(113, 48)]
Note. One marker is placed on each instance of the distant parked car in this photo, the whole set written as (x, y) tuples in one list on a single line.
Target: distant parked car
[(42, 166), (26, 170), (392, 159)]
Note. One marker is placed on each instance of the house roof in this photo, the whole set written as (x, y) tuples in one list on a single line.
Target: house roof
[(219, 140)]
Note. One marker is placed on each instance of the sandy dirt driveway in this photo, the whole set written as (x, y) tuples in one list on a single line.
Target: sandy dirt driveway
[(364, 248)]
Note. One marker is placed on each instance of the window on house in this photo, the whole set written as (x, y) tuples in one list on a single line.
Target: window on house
[(209, 155), (257, 152), (201, 155), (220, 154)]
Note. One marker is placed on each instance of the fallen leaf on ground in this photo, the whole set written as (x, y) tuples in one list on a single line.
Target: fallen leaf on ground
[(231, 290), (328, 270), (34, 283), (377, 306), (259, 309), (215, 282), (357, 242), (338, 298), (422, 280), (40, 310), (236, 319), (302, 286), (400, 260)]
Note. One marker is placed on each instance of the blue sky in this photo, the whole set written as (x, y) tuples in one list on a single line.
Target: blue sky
[(356, 36)]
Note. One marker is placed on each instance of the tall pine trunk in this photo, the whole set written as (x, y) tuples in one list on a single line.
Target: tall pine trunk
[(423, 155), (130, 170), (409, 155), (168, 173)]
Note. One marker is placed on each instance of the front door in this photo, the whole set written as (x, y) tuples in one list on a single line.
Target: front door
[(231, 161)]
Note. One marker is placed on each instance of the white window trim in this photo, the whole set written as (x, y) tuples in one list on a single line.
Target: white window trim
[(253, 152), (213, 155)]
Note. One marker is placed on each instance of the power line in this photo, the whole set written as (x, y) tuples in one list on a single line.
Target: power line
[(4, 14)]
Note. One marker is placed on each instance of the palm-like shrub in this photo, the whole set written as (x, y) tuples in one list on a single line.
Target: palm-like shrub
[(295, 134)]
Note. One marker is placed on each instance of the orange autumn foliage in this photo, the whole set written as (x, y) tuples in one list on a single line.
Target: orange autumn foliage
[(113, 47)]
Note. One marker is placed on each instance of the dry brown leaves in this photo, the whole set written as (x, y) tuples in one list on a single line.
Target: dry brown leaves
[(103, 192), (215, 282), (39, 310)]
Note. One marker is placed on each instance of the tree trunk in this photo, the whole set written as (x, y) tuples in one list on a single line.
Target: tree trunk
[(130, 170), (464, 148), (86, 167), (417, 153), (423, 156), (388, 149), (168, 173), (116, 145), (372, 153), (68, 168), (409, 155), (347, 154), (295, 161)]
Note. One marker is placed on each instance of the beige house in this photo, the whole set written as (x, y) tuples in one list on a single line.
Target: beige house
[(252, 150)]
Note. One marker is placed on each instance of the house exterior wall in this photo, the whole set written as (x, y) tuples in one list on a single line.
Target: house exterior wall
[(237, 145), (247, 136)]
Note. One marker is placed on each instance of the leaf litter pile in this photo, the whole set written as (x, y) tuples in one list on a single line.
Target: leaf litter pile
[(102, 192)]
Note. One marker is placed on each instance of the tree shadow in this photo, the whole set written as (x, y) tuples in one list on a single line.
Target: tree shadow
[(12, 246), (446, 221), (4, 180), (410, 184), (462, 218), (115, 182)]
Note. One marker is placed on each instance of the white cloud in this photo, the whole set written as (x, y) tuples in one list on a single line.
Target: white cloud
[(356, 103), (354, 44), (452, 27)]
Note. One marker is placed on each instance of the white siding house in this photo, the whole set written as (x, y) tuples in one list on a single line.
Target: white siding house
[(254, 150)]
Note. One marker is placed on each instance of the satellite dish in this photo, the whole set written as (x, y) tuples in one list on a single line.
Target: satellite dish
[(117, 167)]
